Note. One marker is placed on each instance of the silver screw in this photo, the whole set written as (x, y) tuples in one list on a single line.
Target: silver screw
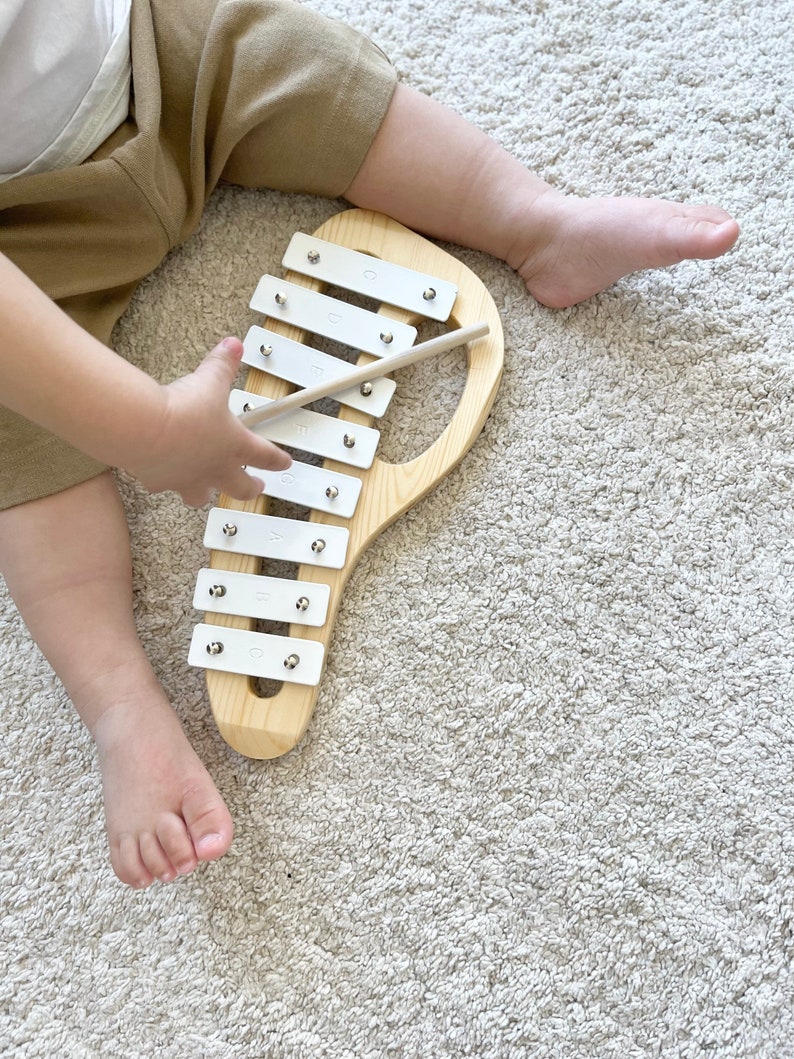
[(215, 648), (281, 298), (302, 604), (229, 529), (265, 350), (291, 661), (332, 492), (318, 545), (429, 294), (349, 440), (313, 256), (386, 337), (365, 389), (216, 591)]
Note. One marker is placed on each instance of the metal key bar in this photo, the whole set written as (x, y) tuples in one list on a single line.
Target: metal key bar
[(364, 373), (258, 654), (303, 365), (382, 280), (262, 597), (304, 308), (328, 436)]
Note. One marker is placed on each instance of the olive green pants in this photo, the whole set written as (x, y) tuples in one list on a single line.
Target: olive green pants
[(264, 93)]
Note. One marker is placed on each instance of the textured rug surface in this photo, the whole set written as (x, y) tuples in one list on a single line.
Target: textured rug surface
[(545, 807)]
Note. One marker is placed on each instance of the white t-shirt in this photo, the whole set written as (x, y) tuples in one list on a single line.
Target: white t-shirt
[(64, 80)]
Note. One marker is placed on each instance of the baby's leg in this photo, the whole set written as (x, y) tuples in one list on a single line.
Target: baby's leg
[(432, 170), (66, 561)]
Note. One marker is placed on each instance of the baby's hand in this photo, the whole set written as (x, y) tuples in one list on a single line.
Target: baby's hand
[(201, 445)]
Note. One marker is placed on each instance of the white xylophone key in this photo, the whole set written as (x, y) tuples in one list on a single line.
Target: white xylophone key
[(382, 280), (272, 537), (313, 432), (265, 598), (256, 654), (331, 318), (304, 366), (313, 487)]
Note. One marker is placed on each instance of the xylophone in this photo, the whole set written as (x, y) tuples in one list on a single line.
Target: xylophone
[(350, 493)]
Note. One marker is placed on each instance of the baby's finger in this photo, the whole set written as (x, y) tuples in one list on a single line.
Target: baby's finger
[(242, 486), (265, 454), (195, 496), (222, 363)]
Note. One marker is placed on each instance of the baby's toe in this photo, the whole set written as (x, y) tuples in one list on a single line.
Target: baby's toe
[(177, 844), (155, 858), (127, 863), (701, 232), (208, 821)]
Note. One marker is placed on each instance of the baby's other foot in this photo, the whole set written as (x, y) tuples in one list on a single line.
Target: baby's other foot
[(582, 246), (164, 814)]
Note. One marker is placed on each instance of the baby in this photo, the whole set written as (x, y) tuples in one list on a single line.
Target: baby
[(306, 105)]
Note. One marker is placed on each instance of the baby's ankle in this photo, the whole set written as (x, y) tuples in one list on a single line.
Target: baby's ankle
[(537, 224), (116, 700)]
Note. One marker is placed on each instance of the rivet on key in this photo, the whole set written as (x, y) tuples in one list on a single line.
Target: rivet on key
[(229, 530), (302, 603), (429, 294), (349, 440), (216, 591), (291, 661), (313, 256), (386, 337), (247, 406), (281, 298), (365, 389), (265, 350), (215, 647), (318, 545), (332, 492)]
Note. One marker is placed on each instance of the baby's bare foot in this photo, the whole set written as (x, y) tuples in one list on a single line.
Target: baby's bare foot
[(583, 246), (164, 814)]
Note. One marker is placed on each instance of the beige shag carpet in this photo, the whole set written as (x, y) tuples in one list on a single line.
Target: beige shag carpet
[(545, 807)]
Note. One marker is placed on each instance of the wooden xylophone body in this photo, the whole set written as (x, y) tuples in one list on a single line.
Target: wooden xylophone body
[(354, 495)]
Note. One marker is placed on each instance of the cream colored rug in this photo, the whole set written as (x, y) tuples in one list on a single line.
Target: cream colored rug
[(545, 807)]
